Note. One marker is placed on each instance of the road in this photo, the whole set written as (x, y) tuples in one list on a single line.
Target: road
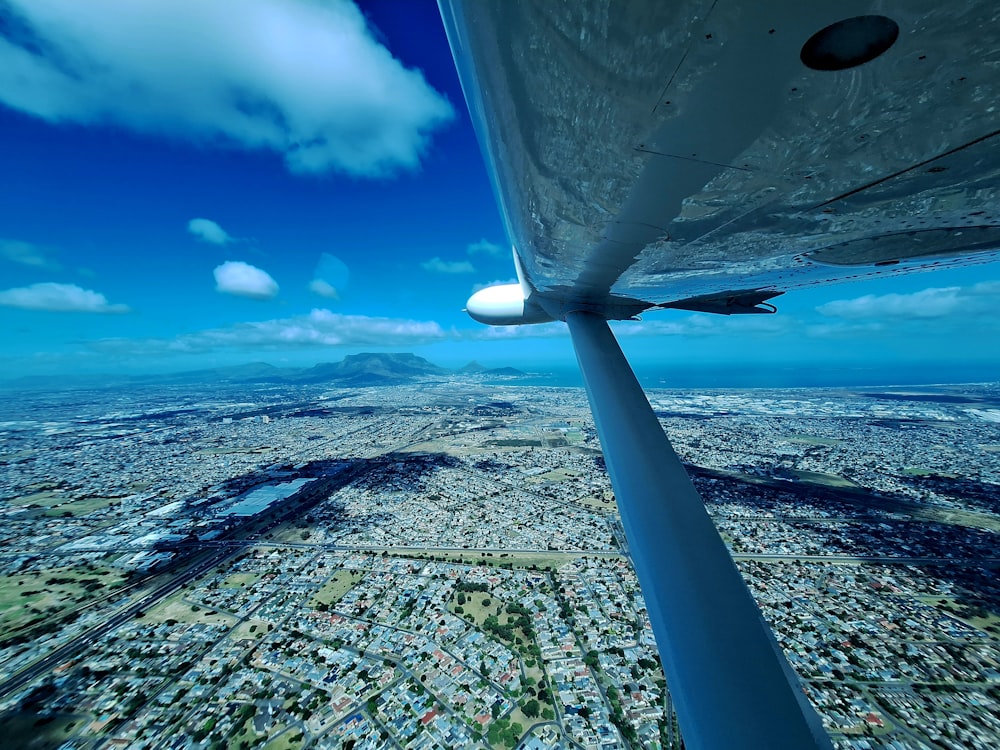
[(220, 551), (83, 640)]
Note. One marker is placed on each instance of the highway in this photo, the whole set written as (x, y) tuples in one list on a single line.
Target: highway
[(221, 550), (83, 640)]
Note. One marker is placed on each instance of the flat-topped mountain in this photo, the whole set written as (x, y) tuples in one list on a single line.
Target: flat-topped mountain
[(369, 369)]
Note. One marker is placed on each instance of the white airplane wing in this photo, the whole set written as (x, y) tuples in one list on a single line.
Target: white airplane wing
[(710, 155)]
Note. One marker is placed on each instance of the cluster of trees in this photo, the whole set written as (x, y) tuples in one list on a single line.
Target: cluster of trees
[(464, 586), (504, 732), (618, 717)]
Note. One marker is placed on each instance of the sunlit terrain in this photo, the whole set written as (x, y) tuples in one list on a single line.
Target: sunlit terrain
[(439, 563)]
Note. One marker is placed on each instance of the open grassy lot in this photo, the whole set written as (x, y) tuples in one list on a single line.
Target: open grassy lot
[(827, 480), (289, 739), (175, 608), (29, 731), (477, 610), (240, 580), (557, 475), (540, 560), (605, 503), (81, 507), (254, 629), (979, 618), (44, 595), (44, 498), (334, 589)]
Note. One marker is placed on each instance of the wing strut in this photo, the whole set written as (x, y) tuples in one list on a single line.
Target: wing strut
[(731, 686)]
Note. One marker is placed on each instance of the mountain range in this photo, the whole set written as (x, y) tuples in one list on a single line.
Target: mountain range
[(367, 369)]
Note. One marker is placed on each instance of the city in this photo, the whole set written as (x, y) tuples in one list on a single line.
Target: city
[(439, 563)]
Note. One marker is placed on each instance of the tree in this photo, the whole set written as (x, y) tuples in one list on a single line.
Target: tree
[(531, 708)]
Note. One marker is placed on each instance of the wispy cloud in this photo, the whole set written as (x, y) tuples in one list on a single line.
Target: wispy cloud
[(330, 277), (932, 303), (320, 328), (207, 230), (304, 79), (26, 254), (485, 247), (536, 331), (324, 289), (244, 280), (58, 298), (704, 324), (436, 265)]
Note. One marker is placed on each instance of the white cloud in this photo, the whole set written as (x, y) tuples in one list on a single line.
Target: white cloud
[(207, 230), (935, 302), (436, 265), (698, 325), (704, 324), (26, 254), (535, 331), (58, 298), (485, 247), (320, 328), (323, 289), (244, 280), (302, 78)]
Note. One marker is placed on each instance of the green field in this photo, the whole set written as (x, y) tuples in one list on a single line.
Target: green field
[(44, 499), (28, 731), (240, 580), (827, 480), (175, 608), (44, 595), (476, 612), (982, 619), (334, 589), (541, 560), (253, 629), (290, 739), (557, 475), (81, 507)]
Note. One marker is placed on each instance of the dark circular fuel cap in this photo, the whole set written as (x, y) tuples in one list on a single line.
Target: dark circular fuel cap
[(850, 42)]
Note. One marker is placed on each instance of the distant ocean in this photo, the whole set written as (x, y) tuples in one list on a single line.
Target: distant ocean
[(729, 376)]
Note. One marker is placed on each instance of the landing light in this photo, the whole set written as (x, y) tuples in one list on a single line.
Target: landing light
[(850, 42)]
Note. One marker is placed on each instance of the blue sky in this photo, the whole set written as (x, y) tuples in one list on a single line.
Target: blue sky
[(183, 189)]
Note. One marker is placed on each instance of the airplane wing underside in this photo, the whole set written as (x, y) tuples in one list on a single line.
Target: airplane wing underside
[(711, 155), (658, 151)]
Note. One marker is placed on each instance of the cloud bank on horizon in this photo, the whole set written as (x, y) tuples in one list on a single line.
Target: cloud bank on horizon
[(319, 328), (304, 79), (930, 303)]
